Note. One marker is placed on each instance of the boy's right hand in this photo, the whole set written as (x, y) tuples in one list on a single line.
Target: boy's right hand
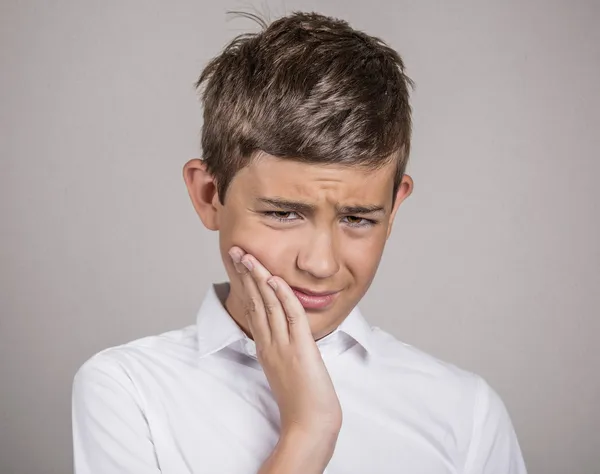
[(308, 405)]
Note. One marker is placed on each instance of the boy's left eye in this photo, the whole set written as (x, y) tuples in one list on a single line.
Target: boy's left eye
[(355, 221)]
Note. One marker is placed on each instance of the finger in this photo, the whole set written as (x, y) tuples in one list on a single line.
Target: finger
[(273, 308), (297, 319), (236, 254), (254, 309)]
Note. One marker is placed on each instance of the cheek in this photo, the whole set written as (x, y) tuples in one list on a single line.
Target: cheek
[(362, 257), (272, 249)]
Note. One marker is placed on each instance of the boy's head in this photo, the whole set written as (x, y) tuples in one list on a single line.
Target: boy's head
[(305, 139)]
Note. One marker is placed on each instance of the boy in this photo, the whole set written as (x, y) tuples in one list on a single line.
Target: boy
[(306, 137)]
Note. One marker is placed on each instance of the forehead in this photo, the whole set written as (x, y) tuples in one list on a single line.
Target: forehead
[(271, 176)]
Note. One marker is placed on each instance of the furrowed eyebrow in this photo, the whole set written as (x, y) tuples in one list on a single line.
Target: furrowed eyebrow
[(288, 205), (361, 210), (305, 208)]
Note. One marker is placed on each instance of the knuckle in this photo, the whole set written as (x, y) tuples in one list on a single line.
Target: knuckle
[(270, 308), (291, 317), (252, 305)]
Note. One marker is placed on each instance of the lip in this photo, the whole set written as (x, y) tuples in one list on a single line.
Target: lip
[(315, 300), (313, 293)]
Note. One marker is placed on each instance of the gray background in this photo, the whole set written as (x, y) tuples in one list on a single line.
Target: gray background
[(494, 260)]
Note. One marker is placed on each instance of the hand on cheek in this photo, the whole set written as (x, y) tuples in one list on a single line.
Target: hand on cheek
[(286, 350), (260, 298)]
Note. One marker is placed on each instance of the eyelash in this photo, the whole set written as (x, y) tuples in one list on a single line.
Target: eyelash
[(273, 215)]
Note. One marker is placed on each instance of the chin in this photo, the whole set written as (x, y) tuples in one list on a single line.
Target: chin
[(317, 326)]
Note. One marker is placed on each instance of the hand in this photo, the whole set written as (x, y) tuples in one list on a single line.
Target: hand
[(287, 351)]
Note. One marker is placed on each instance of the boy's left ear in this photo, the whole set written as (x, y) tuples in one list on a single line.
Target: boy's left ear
[(404, 190), (203, 192)]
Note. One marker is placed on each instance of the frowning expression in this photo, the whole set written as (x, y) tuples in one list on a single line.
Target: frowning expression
[(322, 228)]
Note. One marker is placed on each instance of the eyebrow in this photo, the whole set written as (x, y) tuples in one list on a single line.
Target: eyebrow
[(305, 208)]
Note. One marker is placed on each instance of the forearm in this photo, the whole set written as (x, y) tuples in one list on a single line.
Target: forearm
[(300, 453)]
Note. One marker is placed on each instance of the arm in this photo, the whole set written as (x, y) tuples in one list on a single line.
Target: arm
[(494, 448), (309, 409), (110, 432)]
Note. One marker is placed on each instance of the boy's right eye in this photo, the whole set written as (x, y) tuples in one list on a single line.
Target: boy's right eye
[(282, 216)]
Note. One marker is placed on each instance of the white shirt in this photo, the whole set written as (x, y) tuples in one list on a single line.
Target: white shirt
[(196, 401)]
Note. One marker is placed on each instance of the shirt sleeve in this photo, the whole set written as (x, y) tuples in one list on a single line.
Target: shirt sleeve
[(494, 448), (110, 431)]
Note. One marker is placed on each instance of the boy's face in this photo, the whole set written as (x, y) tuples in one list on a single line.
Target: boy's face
[(322, 228)]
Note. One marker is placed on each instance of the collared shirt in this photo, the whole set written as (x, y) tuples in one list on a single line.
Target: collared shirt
[(196, 400)]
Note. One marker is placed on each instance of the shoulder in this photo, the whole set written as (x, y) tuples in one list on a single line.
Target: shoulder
[(453, 397), (446, 389), (133, 360), (110, 401), (396, 355), (406, 358)]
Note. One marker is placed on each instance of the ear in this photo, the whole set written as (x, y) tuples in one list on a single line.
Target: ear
[(404, 190), (203, 192)]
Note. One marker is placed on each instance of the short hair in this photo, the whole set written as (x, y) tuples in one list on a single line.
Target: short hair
[(308, 88)]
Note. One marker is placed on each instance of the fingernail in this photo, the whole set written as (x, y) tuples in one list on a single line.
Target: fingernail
[(235, 256), (272, 283), (248, 264)]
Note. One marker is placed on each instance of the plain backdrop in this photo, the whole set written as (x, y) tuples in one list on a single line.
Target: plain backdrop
[(494, 260)]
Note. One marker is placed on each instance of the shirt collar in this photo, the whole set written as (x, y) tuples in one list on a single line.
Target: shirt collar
[(216, 329)]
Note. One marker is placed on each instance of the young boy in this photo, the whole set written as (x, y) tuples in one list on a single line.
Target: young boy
[(306, 137)]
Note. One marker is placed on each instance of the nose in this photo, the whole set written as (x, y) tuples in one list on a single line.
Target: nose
[(318, 256)]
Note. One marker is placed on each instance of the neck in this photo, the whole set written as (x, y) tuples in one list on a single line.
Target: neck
[(235, 308)]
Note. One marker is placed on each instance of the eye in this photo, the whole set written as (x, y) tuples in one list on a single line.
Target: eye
[(355, 221), (282, 216)]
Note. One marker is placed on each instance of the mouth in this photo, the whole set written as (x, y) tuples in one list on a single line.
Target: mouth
[(315, 300)]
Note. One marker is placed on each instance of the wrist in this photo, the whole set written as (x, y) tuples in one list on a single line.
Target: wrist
[(320, 439), (313, 430), (311, 450), (300, 451)]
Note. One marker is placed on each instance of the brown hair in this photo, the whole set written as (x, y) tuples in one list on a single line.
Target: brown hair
[(308, 88)]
